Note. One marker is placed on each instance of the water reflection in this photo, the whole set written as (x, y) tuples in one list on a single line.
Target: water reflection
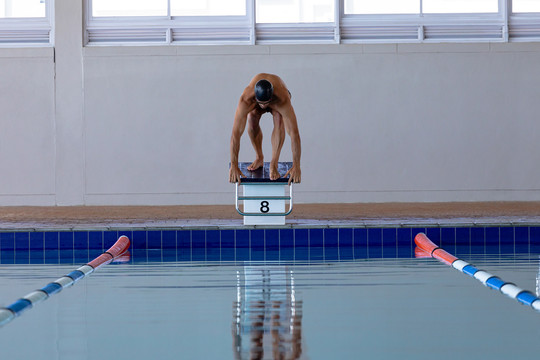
[(267, 314)]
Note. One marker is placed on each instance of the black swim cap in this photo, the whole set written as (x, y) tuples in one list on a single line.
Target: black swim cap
[(264, 90)]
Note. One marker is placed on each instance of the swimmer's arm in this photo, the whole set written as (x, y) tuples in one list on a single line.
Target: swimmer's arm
[(239, 125), (291, 126)]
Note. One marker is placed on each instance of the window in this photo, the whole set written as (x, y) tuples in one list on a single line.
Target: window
[(309, 21), (104, 8), (116, 8), (526, 6), (208, 8), (421, 21), (168, 21), (293, 21), (22, 8), (369, 7), (459, 6), (25, 23), (295, 11), (524, 21), (417, 7)]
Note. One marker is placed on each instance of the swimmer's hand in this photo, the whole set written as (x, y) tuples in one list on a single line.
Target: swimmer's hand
[(235, 174), (295, 174)]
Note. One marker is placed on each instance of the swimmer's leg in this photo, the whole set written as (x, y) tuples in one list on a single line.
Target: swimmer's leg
[(278, 138), (256, 137)]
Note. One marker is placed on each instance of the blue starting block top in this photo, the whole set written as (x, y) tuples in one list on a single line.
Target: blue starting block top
[(262, 174)]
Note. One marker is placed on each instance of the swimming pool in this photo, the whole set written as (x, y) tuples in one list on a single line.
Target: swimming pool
[(319, 293)]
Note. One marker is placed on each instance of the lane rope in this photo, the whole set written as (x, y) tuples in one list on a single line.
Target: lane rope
[(491, 281), (8, 313)]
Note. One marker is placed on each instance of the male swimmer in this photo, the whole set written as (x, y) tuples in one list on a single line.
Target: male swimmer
[(266, 93)]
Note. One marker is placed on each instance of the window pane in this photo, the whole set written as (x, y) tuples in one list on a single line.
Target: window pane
[(460, 6), (129, 7), (294, 11), (382, 7), (526, 6), (22, 8), (208, 7)]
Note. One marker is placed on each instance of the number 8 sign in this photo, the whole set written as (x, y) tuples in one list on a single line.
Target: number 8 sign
[(262, 206)]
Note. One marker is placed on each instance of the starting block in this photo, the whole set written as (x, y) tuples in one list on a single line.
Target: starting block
[(264, 199)]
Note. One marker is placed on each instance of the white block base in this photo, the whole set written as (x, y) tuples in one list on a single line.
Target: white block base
[(264, 206)]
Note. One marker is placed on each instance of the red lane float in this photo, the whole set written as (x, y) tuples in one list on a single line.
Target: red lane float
[(443, 256), (119, 247), (10, 312), (420, 254), (102, 259), (426, 248), (423, 242)]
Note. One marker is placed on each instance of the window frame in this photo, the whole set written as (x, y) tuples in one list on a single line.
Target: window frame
[(523, 26), (169, 30), (502, 26), (28, 31), (423, 27)]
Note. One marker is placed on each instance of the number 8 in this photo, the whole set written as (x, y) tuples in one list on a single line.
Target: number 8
[(264, 207)]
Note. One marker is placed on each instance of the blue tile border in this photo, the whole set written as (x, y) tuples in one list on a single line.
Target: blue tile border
[(22, 241), (7, 241), (153, 239), (169, 239), (310, 244), (301, 237), (138, 240), (286, 238), (95, 240), (198, 238), (316, 237), (37, 241), (52, 240), (109, 238), (331, 237), (66, 241)]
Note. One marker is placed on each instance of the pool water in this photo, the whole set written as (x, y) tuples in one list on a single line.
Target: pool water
[(156, 307)]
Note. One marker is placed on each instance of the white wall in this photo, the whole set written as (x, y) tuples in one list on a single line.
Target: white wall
[(379, 123), (27, 130)]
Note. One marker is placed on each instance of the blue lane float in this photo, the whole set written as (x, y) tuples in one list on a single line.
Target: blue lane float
[(10, 312), (491, 281)]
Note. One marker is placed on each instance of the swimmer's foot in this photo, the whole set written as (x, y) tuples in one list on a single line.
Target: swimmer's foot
[(274, 173), (258, 163)]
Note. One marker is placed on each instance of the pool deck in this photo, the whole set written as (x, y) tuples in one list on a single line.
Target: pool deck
[(303, 215)]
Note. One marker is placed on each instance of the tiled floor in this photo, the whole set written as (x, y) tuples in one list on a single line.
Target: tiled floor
[(303, 215)]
